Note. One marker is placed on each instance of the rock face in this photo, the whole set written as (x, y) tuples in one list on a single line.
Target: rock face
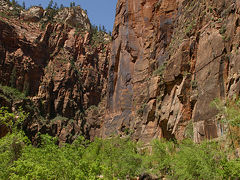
[(3, 5), (74, 16), (142, 31), (33, 14), (169, 60), (61, 69)]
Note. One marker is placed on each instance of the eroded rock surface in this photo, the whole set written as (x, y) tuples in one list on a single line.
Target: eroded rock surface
[(169, 60), (33, 14), (141, 34), (61, 68)]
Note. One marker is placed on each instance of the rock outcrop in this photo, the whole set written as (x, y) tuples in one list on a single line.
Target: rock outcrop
[(33, 14), (74, 16), (169, 60), (61, 67), (141, 34)]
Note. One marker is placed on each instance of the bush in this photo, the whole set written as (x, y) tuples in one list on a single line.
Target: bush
[(11, 147), (232, 169), (117, 157), (49, 162), (12, 120), (162, 153), (12, 92), (201, 161), (229, 115), (111, 158)]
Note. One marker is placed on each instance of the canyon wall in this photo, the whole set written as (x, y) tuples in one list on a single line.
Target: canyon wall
[(61, 66), (170, 59), (167, 61), (142, 31)]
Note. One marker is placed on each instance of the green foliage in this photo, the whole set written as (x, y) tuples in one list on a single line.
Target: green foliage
[(72, 4), (23, 5), (92, 108), (113, 158), (190, 27), (14, 3), (140, 111), (4, 14), (10, 150), (51, 11), (189, 130), (194, 84), (157, 4), (229, 115), (46, 162), (232, 169), (12, 120), (223, 30), (50, 4), (60, 118), (13, 77), (201, 161), (98, 36), (229, 111), (160, 70), (162, 153), (75, 69), (12, 93), (117, 157)]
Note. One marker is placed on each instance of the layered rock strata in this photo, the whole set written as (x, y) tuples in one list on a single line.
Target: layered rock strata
[(169, 61), (61, 67)]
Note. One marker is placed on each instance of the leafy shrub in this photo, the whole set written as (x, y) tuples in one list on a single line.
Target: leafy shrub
[(198, 161), (229, 115), (12, 120), (162, 153), (117, 157), (160, 70), (11, 147), (49, 162), (229, 111), (12, 92), (222, 30), (232, 169), (111, 158)]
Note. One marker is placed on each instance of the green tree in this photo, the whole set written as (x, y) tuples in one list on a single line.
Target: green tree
[(14, 3), (198, 161), (50, 4), (23, 5), (55, 6), (162, 154), (229, 115), (12, 120), (11, 147), (72, 4)]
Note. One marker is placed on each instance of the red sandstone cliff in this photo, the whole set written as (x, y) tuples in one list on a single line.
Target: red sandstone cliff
[(61, 66), (169, 60)]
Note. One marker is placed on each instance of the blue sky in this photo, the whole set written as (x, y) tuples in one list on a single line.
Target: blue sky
[(100, 12)]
